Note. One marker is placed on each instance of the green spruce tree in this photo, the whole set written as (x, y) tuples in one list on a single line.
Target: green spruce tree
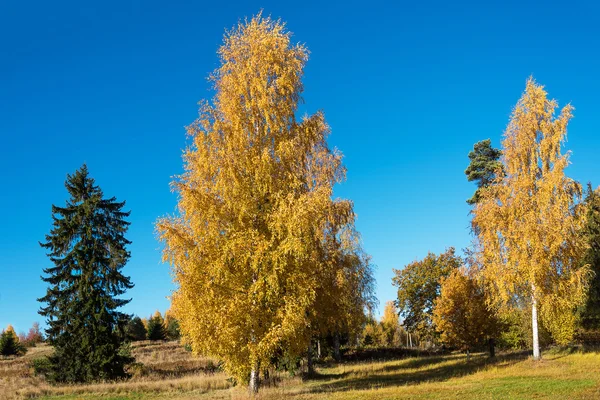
[(88, 249), (135, 329), (483, 166), (590, 312), (172, 329), (10, 344), (156, 327)]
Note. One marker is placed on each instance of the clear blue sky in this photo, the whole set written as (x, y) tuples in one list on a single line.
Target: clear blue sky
[(407, 89)]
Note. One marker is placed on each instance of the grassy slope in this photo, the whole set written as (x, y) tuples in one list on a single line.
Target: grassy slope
[(167, 367), (510, 376)]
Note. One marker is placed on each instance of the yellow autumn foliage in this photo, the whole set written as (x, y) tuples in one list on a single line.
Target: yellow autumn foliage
[(528, 220), (460, 313), (249, 244), (346, 291)]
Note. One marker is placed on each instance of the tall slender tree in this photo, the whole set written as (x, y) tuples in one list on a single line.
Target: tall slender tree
[(255, 207), (390, 323), (528, 222), (88, 249)]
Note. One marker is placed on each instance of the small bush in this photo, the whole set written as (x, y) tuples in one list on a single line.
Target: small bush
[(213, 367), (41, 366), (588, 337), (137, 370), (287, 362)]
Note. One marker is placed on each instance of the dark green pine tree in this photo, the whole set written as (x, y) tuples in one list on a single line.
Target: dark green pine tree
[(590, 312), (156, 328), (88, 249), (10, 345), (135, 329), (485, 161), (172, 331)]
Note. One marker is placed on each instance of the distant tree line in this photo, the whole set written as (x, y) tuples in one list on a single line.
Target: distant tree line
[(153, 328)]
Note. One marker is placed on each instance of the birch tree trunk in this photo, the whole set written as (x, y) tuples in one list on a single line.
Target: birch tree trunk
[(318, 349), (534, 325), (254, 380)]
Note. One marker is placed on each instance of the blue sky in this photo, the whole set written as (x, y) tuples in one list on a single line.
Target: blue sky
[(406, 87)]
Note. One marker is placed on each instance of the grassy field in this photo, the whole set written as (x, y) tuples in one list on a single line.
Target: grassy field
[(169, 372)]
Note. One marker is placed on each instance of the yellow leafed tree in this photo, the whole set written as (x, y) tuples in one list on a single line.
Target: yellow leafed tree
[(346, 291), (255, 207), (528, 220), (390, 321), (460, 313)]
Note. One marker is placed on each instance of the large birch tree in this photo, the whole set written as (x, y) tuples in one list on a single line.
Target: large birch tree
[(249, 244), (528, 220)]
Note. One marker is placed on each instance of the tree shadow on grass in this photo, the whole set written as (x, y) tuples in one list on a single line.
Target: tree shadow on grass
[(563, 351), (434, 370), (316, 376), (388, 354), (420, 362)]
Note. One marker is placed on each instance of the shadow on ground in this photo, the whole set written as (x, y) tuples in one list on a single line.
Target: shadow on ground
[(429, 369), (389, 353)]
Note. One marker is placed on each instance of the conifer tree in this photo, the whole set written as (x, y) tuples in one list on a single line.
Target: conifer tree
[(483, 167), (590, 312), (171, 326), (135, 329), (88, 249), (156, 327), (10, 344)]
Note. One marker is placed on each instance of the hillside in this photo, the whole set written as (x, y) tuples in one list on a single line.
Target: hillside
[(167, 371)]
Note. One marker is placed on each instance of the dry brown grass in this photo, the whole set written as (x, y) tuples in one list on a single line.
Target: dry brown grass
[(169, 372), (165, 367)]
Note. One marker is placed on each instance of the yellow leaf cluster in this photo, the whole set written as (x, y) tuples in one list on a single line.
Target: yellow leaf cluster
[(346, 287), (460, 313)]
